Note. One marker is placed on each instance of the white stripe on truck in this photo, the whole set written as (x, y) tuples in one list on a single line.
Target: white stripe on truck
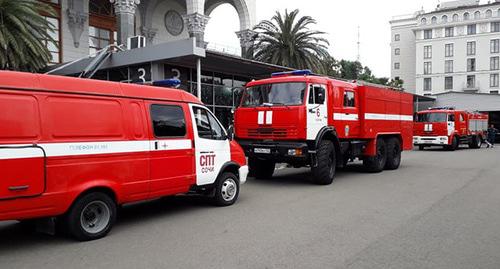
[(91, 148), (390, 117)]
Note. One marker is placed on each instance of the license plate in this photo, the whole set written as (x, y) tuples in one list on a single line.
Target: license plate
[(262, 151)]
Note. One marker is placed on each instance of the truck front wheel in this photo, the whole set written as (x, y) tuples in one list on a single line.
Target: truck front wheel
[(393, 154), (261, 169), (377, 163), (324, 172)]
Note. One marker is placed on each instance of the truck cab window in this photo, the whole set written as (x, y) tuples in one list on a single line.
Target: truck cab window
[(168, 121), (462, 119), (349, 99), (317, 94), (451, 118), (208, 127)]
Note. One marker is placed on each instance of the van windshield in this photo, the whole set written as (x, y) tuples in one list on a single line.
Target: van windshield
[(431, 117), (278, 94)]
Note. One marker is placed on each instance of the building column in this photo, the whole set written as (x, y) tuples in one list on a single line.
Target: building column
[(125, 14), (247, 38), (196, 24)]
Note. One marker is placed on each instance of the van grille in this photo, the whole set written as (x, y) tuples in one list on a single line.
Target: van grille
[(271, 133)]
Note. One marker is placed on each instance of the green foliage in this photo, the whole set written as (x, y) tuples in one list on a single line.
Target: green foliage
[(22, 33), (287, 40)]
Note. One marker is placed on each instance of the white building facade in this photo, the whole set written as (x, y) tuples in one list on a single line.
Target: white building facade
[(455, 48)]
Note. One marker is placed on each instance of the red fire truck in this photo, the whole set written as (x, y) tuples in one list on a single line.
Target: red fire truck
[(307, 120), (449, 128), (72, 150)]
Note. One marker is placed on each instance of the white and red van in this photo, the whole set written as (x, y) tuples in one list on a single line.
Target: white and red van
[(74, 149)]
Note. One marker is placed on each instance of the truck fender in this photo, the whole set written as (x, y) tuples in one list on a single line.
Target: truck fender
[(331, 134)]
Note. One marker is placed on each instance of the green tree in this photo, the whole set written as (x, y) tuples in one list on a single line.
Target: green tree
[(22, 33), (287, 40)]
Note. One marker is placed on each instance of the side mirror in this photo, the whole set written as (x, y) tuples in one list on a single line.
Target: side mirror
[(230, 133), (321, 99)]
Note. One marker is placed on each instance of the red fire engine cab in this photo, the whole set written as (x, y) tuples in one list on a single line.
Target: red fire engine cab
[(72, 150), (312, 121), (449, 128)]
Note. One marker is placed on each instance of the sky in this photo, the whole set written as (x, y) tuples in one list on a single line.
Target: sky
[(339, 19)]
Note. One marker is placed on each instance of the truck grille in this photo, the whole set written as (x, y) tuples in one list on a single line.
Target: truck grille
[(271, 133)]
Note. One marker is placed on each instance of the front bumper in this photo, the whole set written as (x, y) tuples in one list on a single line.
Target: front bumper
[(277, 151), (243, 172), (430, 140)]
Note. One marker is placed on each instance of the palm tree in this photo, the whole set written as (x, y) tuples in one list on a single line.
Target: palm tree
[(287, 40), (23, 33)]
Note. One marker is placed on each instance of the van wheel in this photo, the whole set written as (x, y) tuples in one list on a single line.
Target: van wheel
[(475, 142), (91, 217), (393, 154), (261, 169), (324, 172), (227, 190), (377, 163)]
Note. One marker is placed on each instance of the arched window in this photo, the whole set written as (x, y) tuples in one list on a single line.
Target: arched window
[(498, 13), (477, 15), (444, 19), (489, 13), (466, 16), (455, 17), (423, 21), (434, 20)]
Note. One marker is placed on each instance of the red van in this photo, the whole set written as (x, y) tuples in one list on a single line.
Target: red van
[(74, 149)]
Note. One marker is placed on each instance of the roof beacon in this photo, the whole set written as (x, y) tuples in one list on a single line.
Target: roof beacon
[(292, 73), (173, 82)]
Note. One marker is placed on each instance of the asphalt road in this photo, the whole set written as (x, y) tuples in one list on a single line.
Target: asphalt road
[(440, 210)]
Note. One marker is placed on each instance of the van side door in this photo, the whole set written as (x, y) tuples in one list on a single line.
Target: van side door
[(171, 150)]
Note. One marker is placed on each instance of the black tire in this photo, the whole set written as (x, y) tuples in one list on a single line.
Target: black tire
[(94, 204), (475, 142), (393, 154), (324, 172), (261, 169), (454, 144), (377, 163), (227, 189), (421, 147)]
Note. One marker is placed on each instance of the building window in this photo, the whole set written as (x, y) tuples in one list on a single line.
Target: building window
[(471, 48), (466, 16), (102, 25), (54, 46), (494, 83), (471, 82), (477, 15), (471, 29), (489, 13), (449, 31), (427, 52), (428, 34), (471, 65), (494, 63), (434, 20), (99, 38), (397, 51), (493, 92), (444, 19), (448, 83), (495, 46), (448, 50), (397, 66), (427, 68), (495, 27), (448, 66), (397, 37), (423, 21), (427, 84), (455, 17)]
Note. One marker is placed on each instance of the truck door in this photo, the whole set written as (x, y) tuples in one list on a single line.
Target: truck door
[(317, 114), (171, 151), (211, 145), (23, 171), (349, 115), (462, 124), (451, 124)]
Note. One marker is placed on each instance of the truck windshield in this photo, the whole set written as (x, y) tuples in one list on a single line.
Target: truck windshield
[(431, 117), (278, 94)]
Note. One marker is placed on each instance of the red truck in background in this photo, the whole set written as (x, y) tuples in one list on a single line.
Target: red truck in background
[(312, 121), (449, 128)]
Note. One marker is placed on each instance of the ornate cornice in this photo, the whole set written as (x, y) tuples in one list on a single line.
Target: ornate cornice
[(196, 23), (246, 37), (125, 6)]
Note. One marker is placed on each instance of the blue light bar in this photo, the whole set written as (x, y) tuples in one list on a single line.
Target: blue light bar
[(292, 73), (173, 82)]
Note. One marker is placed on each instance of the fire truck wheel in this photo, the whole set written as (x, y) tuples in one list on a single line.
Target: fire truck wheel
[(91, 217), (261, 169), (377, 163), (227, 189), (475, 142), (454, 144), (393, 154), (324, 172), (421, 147)]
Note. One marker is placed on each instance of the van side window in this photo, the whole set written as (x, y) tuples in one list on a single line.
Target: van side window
[(168, 121), (451, 117), (207, 125), (349, 100), (317, 94)]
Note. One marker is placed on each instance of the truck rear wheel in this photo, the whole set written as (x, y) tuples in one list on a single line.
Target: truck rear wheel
[(91, 217), (227, 190), (261, 169), (377, 163), (475, 142), (393, 154), (324, 172)]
